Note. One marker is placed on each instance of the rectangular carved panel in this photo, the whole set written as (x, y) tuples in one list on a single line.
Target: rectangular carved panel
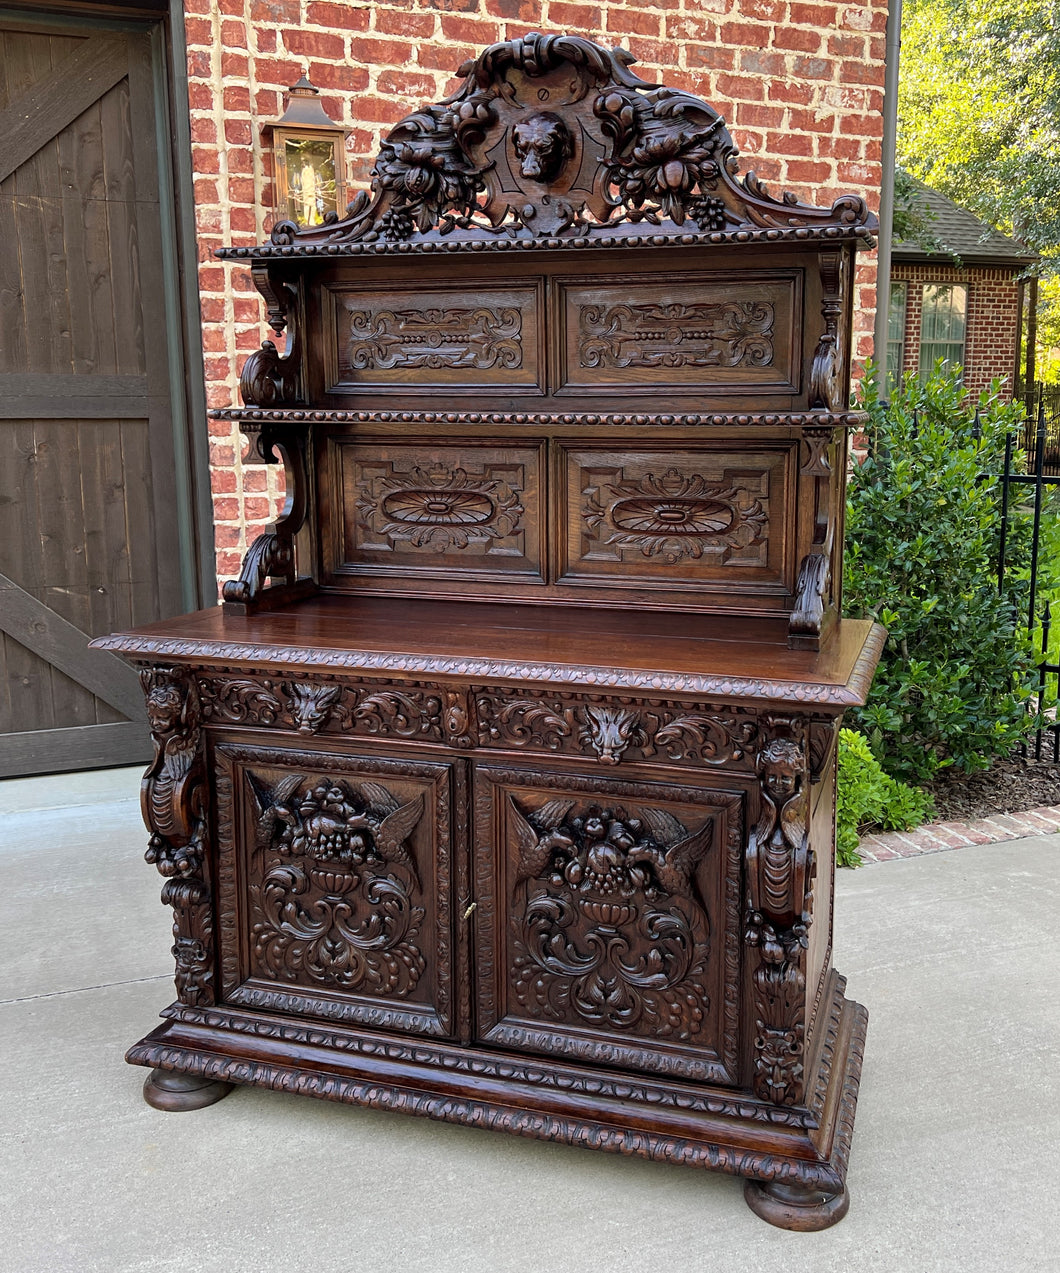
[(433, 509), (678, 516), (335, 887), (435, 337), (704, 334), (608, 921)]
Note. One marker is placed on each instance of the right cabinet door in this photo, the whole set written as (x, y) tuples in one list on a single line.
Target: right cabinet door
[(608, 920)]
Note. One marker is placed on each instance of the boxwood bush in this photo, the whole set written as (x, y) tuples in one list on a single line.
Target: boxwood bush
[(867, 797), (955, 684)]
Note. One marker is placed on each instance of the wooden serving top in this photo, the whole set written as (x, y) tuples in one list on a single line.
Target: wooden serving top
[(644, 651)]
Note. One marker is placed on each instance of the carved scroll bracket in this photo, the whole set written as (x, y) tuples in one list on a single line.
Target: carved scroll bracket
[(270, 378), (780, 867), (828, 380), (273, 554), (172, 798), (813, 586)]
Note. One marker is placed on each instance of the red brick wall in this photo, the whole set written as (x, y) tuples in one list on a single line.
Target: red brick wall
[(800, 84), (992, 319)]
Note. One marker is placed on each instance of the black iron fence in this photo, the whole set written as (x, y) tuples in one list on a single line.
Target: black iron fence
[(1043, 405), (1031, 480)]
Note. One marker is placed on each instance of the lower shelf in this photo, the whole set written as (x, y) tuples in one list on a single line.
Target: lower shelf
[(800, 1154)]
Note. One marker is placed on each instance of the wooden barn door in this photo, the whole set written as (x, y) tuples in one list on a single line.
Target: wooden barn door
[(89, 508)]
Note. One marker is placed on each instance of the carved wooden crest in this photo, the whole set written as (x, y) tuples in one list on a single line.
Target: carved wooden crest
[(551, 135)]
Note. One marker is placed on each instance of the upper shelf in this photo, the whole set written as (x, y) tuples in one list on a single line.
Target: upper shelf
[(553, 142)]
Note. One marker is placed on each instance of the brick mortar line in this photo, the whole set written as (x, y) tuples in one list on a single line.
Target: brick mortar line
[(882, 846)]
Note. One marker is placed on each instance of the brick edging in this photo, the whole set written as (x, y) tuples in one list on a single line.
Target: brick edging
[(934, 837)]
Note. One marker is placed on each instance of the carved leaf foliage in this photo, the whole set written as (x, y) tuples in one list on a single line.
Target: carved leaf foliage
[(552, 134), (332, 895), (674, 515), (611, 932), (440, 509)]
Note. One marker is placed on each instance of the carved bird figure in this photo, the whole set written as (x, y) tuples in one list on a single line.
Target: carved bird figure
[(536, 847), (675, 855), (391, 825), (275, 805)]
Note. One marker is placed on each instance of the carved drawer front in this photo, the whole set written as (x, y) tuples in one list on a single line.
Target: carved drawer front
[(703, 334), (608, 924), (434, 509), (333, 885), (559, 722), (435, 336), (679, 516)]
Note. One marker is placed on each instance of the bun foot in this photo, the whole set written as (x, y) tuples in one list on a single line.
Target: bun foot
[(175, 1092), (795, 1206)]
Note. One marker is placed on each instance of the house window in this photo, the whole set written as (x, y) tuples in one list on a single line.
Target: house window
[(943, 326), (896, 333)]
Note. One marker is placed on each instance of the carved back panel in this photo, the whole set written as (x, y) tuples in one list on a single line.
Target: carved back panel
[(563, 352)]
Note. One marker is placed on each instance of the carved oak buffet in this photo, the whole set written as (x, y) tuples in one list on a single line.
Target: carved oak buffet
[(510, 799)]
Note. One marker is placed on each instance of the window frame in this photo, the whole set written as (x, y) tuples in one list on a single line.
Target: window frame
[(931, 350)]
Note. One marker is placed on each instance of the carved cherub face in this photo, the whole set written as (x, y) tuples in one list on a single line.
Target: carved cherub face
[(781, 763), (543, 145), (163, 708)]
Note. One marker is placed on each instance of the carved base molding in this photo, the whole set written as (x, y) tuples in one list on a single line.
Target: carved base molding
[(213, 1044)]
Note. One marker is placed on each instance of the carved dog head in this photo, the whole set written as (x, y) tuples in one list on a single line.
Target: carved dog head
[(543, 145)]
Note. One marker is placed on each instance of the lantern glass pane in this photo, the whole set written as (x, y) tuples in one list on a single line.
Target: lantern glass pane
[(311, 187)]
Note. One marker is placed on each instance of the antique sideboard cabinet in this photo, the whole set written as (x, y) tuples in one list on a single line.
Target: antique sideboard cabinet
[(501, 789)]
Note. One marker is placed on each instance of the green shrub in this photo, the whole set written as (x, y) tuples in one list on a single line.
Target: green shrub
[(923, 523), (866, 797)]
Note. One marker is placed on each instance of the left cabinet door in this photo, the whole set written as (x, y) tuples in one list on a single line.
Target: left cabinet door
[(334, 892)]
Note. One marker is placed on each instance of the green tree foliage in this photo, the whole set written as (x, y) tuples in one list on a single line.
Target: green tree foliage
[(867, 797), (923, 524), (979, 117)]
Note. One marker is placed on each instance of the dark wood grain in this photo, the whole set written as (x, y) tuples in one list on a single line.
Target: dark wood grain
[(546, 645)]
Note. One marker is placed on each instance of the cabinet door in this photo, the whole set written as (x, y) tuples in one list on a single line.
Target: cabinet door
[(333, 886), (608, 920)]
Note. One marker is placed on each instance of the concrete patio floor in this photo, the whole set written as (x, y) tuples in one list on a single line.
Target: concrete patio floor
[(954, 1164)]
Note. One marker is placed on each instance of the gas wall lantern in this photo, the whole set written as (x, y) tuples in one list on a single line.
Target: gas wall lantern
[(309, 169)]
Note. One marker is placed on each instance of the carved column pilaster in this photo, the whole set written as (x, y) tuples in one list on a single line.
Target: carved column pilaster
[(780, 867), (173, 800)]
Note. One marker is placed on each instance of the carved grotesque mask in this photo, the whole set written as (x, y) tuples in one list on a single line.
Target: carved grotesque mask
[(543, 145), (311, 705)]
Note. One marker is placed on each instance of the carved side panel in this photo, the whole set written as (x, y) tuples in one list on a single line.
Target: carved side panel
[(473, 508), (705, 335), (174, 804), (780, 870), (436, 337), (339, 869), (678, 516), (610, 925)]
